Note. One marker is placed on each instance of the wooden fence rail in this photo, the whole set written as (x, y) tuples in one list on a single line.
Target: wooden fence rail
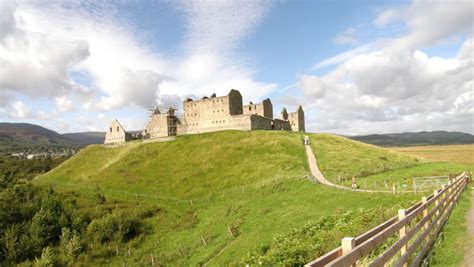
[(416, 229)]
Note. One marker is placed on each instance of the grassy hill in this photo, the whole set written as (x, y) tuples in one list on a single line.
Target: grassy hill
[(16, 137), (254, 183), (20, 136)]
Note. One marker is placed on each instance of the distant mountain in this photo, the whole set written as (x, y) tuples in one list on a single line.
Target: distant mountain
[(416, 139), (86, 138), (16, 137)]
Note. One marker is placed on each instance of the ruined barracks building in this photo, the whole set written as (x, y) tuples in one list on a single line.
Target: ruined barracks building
[(211, 114)]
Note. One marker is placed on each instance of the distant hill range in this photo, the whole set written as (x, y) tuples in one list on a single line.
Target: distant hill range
[(416, 139), (17, 137)]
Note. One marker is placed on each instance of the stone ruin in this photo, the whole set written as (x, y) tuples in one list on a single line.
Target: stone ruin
[(211, 114)]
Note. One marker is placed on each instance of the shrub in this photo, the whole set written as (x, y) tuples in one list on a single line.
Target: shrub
[(115, 226), (313, 239), (47, 258), (70, 243)]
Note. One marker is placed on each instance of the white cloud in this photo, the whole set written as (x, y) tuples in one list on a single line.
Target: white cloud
[(57, 46), (213, 31), (390, 85), (218, 26), (392, 90), (7, 20), (343, 56), (20, 110), (450, 18), (313, 86), (64, 104)]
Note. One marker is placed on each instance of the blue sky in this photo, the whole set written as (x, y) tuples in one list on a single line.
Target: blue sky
[(357, 67)]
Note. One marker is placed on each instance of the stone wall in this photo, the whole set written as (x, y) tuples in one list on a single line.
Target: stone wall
[(213, 113), (296, 120), (261, 123), (279, 124), (264, 109), (235, 102), (160, 125), (116, 134), (209, 114)]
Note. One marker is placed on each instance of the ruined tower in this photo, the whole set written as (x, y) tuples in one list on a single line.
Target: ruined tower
[(296, 120)]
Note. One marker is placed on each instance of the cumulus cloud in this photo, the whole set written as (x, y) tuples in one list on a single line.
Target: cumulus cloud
[(52, 44), (64, 104), (20, 110), (313, 86), (453, 17), (213, 31), (83, 53), (7, 20), (392, 88), (391, 85)]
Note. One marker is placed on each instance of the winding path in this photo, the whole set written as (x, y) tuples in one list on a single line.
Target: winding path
[(319, 177), (314, 169)]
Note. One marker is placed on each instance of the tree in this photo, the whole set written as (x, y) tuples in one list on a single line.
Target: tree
[(47, 258), (70, 244)]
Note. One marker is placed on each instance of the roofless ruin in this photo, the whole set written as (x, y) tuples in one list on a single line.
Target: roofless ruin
[(211, 114)]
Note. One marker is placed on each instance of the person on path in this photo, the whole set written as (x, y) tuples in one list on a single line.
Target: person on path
[(354, 183)]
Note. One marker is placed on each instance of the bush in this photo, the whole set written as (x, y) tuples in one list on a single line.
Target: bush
[(115, 226), (312, 240), (47, 258), (70, 244)]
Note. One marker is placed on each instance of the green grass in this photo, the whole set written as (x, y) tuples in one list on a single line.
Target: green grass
[(376, 168), (450, 249), (341, 157), (403, 179), (253, 182)]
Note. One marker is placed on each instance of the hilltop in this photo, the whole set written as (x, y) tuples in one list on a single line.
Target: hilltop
[(16, 137), (416, 139), (255, 183)]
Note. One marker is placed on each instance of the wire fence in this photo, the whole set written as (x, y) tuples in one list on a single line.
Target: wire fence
[(129, 195)]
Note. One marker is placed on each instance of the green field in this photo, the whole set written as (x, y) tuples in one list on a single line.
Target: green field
[(226, 194), (377, 168)]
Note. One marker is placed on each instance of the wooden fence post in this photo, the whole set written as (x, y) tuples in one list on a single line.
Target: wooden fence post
[(347, 244), (424, 200), (403, 231), (435, 193), (393, 189)]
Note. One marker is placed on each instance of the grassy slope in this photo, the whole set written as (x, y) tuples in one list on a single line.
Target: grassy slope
[(253, 181), (339, 156)]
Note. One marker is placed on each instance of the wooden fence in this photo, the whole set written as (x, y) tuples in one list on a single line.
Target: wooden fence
[(410, 235)]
